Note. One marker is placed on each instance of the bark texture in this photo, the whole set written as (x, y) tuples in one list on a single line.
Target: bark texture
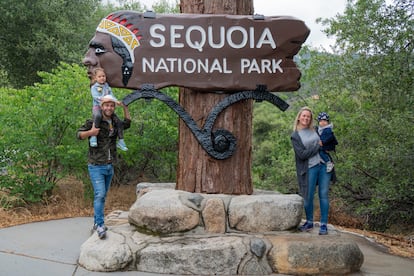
[(197, 171)]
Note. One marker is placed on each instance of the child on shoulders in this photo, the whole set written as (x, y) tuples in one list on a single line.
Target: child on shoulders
[(99, 89)]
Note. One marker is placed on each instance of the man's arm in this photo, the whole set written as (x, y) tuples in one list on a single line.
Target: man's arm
[(126, 111), (83, 134), (127, 116)]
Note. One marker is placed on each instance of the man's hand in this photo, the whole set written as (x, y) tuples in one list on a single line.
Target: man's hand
[(93, 131), (88, 133)]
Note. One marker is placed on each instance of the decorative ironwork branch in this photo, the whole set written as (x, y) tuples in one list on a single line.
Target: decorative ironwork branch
[(220, 143)]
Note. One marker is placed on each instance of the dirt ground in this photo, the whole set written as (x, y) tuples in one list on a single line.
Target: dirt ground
[(68, 201)]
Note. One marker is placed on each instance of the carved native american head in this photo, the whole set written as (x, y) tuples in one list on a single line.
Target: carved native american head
[(113, 46)]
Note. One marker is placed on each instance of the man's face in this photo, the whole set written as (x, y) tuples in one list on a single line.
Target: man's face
[(101, 54), (108, 109)]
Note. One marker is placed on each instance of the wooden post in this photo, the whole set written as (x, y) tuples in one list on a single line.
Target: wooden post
[(197, 171)]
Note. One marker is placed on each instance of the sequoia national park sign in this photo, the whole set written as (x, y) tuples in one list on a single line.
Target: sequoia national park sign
[(198, 51)]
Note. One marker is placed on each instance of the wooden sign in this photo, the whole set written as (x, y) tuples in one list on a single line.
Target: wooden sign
[(198, 51)]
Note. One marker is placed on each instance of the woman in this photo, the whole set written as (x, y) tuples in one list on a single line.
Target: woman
[(310, 169)]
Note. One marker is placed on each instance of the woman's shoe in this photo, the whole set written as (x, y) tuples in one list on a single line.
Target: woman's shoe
[(323, 230), (308, 226)]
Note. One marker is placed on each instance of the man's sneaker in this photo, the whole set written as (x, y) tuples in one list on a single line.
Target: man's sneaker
[(95, 226), (329, 166), (121, 145), (93, 141), (101, 230), (308, 226), (323, 230)]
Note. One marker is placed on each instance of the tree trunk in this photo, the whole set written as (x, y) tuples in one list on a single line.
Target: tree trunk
[(197, 171)]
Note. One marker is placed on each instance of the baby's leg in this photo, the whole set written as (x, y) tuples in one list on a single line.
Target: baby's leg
[(120, 130), (97, 117)]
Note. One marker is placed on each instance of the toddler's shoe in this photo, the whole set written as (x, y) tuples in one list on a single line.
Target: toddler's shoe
[(121, 145), (329, 166), (93, 141)]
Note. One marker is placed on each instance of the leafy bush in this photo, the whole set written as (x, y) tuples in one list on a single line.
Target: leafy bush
[(40, 121), (273, 158), (39, 144), (152, 141)]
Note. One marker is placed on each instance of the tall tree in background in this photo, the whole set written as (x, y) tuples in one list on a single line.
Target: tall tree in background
[(376, 42), (37, 35), (160, 6), (197, 171)]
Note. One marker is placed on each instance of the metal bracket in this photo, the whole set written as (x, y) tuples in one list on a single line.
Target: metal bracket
[(258, 17), (220, 143), (149, 14)]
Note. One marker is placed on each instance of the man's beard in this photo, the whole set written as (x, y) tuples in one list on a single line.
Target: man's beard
[(107, 113)]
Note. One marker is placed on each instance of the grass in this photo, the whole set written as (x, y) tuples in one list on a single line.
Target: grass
[(68, 201)]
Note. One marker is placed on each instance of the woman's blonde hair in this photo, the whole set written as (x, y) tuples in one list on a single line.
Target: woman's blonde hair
[(295, 124)]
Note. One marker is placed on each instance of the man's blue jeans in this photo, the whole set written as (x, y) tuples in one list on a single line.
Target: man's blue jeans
[(101, 176), (317, 175)]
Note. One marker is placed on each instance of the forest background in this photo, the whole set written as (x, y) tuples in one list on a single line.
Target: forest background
[(365, 83)]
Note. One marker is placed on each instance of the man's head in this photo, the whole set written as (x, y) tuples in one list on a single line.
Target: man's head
[(112, 47), (108, 103)]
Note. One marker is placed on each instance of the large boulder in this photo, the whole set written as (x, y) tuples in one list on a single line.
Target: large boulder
[(112, 254), (162, 212), (199, 256), (306, 254), (176, 232), (165, 211), (263, 213)]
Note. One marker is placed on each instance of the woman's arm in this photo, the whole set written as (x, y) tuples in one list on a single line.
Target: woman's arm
[(301, 151)]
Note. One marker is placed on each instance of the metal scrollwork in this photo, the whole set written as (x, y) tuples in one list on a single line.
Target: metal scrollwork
[(220, 143)]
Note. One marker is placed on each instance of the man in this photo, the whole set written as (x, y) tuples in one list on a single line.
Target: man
[(102, 158)]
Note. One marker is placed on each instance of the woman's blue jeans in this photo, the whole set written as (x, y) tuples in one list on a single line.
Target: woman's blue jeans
[(101, 176), (317, 176)]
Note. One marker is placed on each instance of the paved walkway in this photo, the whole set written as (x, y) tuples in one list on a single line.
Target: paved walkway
[(52, 248)]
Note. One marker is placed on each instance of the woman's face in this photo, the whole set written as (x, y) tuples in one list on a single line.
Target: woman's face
[(305, 118)]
